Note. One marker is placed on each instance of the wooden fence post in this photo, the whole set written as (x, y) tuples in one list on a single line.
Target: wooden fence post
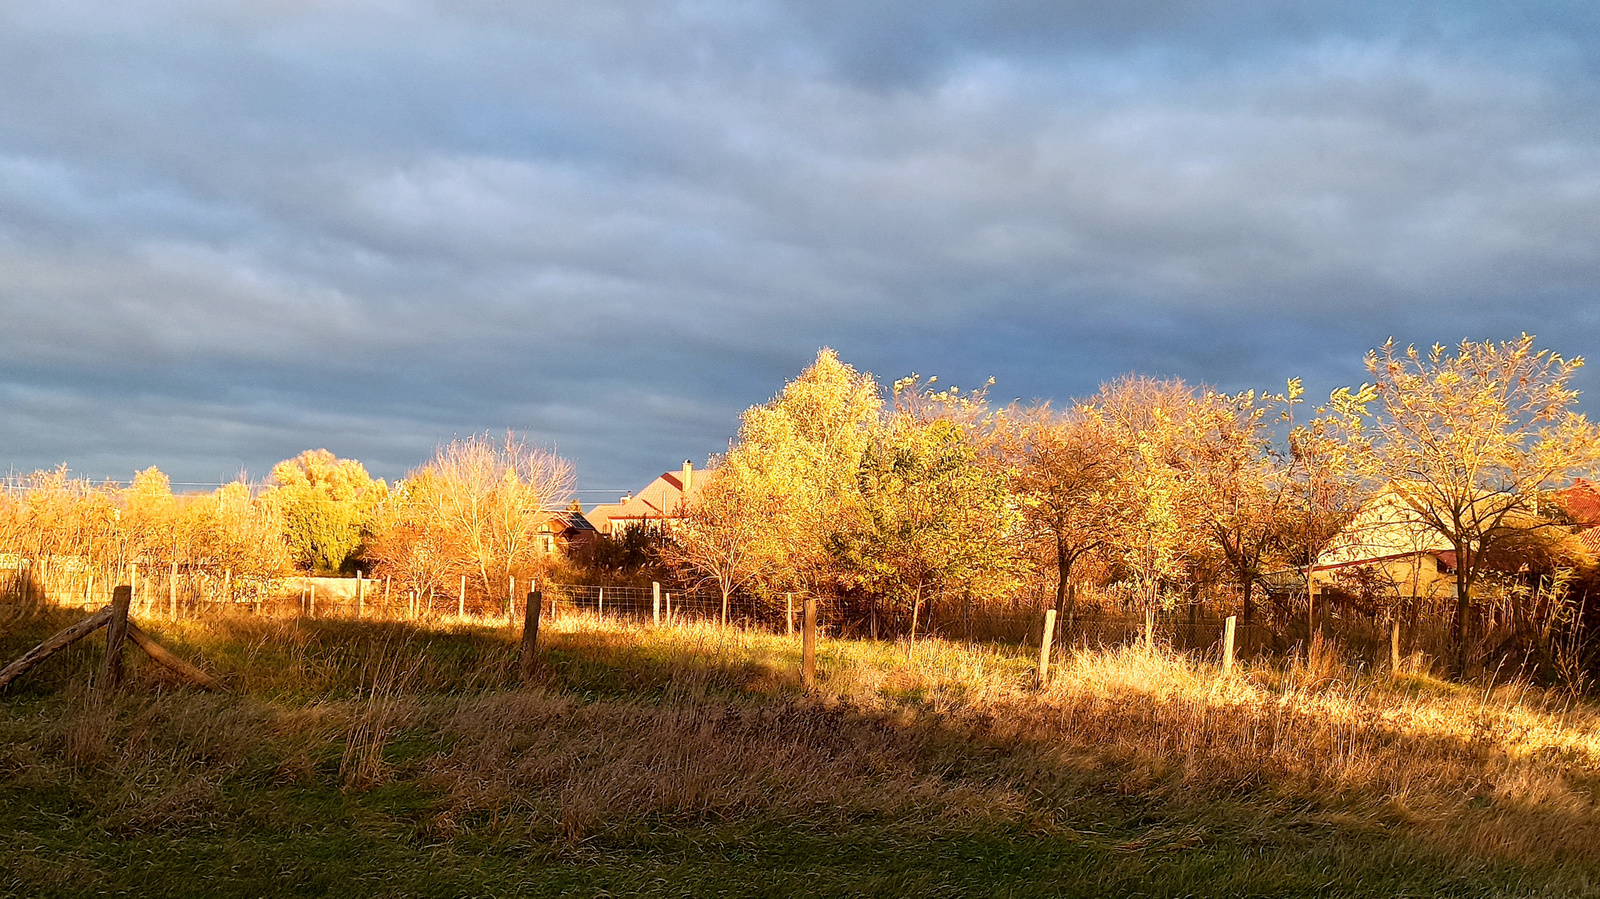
[(1045, 640), (1227, 643), (601, 608), (385, 612), (1394, 645), (788, 614), (808, 647), (311, 597), (361, 597), (116, 635), (655, 602), (511, 604), (530, 633)]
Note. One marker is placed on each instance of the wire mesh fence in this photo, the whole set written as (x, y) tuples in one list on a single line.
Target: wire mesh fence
[(180, 592)]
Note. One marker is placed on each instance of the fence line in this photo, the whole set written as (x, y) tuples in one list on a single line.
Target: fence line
[(192, 591)]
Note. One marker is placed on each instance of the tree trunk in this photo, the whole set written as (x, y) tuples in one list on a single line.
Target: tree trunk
[(1066, 592), (1458, 626)]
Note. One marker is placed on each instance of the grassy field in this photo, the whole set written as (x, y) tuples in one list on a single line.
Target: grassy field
[(358, 759)]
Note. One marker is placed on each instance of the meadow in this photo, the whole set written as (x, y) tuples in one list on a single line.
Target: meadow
[(395, 759)]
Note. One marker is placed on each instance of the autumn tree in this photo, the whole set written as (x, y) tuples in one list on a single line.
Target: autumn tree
[(149, 520), (1065, 468), (799, 456), (325, 505), (228, 531), (1156, 532), (476, 509), (1330, 470), (721, 540), (934, 519), (1471, 439), (1236, 487)]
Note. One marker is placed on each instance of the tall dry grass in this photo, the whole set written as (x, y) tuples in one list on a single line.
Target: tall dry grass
[(631, 728)]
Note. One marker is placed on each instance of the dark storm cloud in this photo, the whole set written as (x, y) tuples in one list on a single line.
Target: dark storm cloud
[(231, 232)]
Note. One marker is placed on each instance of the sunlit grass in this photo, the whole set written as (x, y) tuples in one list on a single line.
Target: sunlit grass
[(1131, 766)]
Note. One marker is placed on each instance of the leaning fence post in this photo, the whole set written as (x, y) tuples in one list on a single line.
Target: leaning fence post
[(808, 647), (1227, 643), (655, 602), (1044, 647), (530, 633), (116, 634)]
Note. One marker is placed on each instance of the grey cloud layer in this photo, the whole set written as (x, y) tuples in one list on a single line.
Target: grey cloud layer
[(237, 232)]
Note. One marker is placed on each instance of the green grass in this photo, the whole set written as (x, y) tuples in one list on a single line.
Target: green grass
[(362, 759)]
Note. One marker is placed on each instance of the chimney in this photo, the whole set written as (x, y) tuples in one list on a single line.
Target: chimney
[(688, 476)]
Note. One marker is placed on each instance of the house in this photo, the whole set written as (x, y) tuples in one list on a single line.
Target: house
[(1389, 547), (661, 502), (566, 531), (1386, 544)]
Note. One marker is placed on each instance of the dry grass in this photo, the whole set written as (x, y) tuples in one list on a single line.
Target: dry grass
[(633, 731)]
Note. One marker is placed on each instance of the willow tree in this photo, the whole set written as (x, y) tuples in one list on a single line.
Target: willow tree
[(1470, 440), (326, 505), (797, 457)]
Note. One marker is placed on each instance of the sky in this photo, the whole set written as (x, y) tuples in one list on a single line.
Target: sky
[(230, 232)]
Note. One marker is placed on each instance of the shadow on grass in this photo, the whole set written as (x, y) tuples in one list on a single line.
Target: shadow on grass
[(682, 761)]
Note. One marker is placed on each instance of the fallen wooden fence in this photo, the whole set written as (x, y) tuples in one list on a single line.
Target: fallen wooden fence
[(115, 619)]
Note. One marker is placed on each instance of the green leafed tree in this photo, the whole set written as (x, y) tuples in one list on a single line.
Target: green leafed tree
[(934, 518), (326, 505), (797, 457)]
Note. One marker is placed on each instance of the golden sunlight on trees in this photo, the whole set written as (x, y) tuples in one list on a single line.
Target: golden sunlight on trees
[(934, 520), (478, 509), (798, 456), (1470, 440), (326, 505), (1438, 501), (1065, 469), (724, 540), (1154, 535), (1236, 488)]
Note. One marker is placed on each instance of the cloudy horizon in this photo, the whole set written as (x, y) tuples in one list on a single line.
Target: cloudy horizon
[(230, 233)]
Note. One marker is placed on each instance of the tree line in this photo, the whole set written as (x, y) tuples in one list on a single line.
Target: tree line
[(478, 510), (1153, 495), (900, 505)]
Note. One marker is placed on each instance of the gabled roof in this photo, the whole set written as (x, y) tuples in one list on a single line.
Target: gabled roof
[(1385, 527), (661, 499), (1581, 502)]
